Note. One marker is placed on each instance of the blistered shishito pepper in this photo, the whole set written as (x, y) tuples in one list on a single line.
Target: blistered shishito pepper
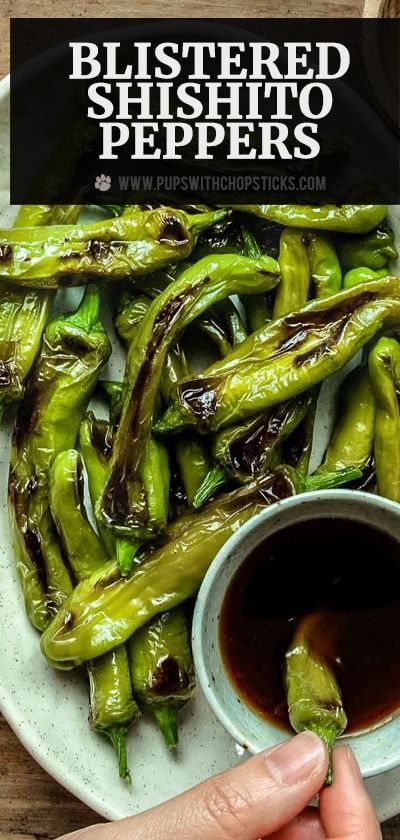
[(293, 289), (355, 276), (372, 251), (62, 255), (345, 218), (384, 371), (74, 349), (82, 546), (352, 441), (23, 313), (111, 700), (313, 695), (126, 503), (127, 322), (284, 359), (112, 706), (107, 608), (162, 669), (96, 439), (325, 268)]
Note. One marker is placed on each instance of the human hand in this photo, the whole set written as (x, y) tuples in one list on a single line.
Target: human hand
[(265, 797)]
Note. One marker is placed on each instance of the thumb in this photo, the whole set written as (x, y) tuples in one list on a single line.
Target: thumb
[(250, 801)]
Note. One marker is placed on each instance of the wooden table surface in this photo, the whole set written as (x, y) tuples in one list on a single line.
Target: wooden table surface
[(32, 805)]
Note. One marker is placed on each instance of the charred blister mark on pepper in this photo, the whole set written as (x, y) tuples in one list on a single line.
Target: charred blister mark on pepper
[(102, 438), (172, 230), (6, 374), (247, 452), (6, 253), (168, 678), (202, 400), (116, 505), (297, 326)]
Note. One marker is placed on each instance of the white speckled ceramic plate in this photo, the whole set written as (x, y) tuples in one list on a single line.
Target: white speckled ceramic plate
[(48, 709)]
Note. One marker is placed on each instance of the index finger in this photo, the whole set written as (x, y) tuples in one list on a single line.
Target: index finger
[(346, 810)]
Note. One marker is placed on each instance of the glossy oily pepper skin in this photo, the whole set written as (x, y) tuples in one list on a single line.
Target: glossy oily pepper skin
[(81, 544), (162, 669), (372, 251), (96, 438), (113, 708), (313, 695), (286, 358), (384, 371), (23, 314), (293, 289), (68, 255), (248, 449), (325, 268), (107, 608), (355, 276), (346, 218), (74, 349), (125, 502), (352, 441)]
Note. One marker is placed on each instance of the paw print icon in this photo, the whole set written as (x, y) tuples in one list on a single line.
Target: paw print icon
[(102, 183)]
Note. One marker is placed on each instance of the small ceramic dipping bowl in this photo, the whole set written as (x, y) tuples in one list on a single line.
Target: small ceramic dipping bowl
[(378, 748)]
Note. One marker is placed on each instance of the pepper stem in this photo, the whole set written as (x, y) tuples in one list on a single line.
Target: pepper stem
[(126, 553), (215, 478), (117, 736), (325, 481), (329, 739), (167, 720), (87, 314)]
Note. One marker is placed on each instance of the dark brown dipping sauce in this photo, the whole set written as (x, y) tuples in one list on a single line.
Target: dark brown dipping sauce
[(350, 575)]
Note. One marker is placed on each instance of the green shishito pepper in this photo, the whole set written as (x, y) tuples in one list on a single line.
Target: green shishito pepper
[(355, 276), (82, 546), (125, 504), (107, 608), (292, 292), (384, 371), (313, 695), (67, 255), (284, 359), (352, 441), (74, 349), (325, 268), (372, 251), (23, 314), (345, 218), (154, 639), (96, 440), (112, 706), (162, 669)]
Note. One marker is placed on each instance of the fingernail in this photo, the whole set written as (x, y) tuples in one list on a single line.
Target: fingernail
[(295, 760), (353, 762)]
